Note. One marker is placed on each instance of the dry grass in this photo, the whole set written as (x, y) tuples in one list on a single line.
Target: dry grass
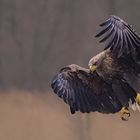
[(35, 116)]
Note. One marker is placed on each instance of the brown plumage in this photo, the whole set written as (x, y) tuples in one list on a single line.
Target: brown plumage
[(106, 86), (121, 56), (88, 92)]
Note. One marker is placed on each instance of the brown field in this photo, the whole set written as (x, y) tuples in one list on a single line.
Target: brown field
[(36, 116)]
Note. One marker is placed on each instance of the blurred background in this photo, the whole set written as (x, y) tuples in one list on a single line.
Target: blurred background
[(37, 38)]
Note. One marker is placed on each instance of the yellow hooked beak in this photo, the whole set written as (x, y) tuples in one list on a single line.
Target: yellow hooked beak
[(92, 68)]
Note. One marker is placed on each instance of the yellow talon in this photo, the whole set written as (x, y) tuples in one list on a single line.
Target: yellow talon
[(138, 98), (125, 114)]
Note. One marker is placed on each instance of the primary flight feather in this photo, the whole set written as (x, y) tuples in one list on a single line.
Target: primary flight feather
[(111, 84), (88, 92), (121, 57)]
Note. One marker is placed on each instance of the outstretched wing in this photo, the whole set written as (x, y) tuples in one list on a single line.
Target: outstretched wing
[(120, 37), (84, 92)]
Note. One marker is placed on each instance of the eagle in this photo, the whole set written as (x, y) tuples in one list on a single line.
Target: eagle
[(109, 84), (121, 56)]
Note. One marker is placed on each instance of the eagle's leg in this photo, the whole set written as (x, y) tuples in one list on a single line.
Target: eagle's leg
[(138, 98), (125, 114)]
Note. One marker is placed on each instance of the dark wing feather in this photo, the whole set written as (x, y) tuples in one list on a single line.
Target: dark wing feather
[(120, 37), (84, 92), (123, 91)]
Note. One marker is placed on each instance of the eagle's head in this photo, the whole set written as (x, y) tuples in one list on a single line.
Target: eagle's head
[(95, 61)]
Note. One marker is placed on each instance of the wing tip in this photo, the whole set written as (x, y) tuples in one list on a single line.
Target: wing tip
[(118, 26)]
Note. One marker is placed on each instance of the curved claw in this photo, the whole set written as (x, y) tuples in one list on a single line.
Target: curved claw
[(138, 98), (125, 114)]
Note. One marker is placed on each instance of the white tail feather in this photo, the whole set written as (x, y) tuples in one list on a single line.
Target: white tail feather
[(135, 106), (138, 107)]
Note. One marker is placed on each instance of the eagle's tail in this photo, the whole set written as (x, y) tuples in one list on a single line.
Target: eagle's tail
[(135, 106)]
